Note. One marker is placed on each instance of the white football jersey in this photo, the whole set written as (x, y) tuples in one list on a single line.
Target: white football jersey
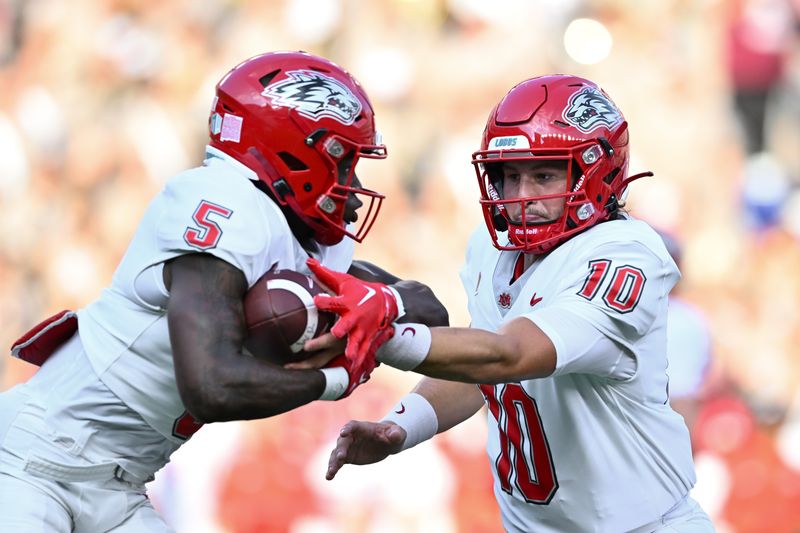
[(595, 446), (213, 209)]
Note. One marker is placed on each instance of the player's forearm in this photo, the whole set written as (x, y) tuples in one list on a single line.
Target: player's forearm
[(466, 355), (452, 401), (520, 350), (250, 389)]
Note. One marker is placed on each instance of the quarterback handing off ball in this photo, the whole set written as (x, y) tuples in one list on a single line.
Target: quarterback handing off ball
[(280, 314)]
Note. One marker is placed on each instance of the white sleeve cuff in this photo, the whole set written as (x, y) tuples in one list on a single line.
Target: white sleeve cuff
[(336, 382), (416, 415), (407, 348)]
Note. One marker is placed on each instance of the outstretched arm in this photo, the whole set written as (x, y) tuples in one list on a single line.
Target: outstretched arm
[(363, 443), (519, 350)]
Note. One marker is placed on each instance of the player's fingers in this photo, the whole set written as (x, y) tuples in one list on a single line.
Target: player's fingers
[(339, 454), (323, 342), (395, 435), (326, 277), (344, 326), (335, 463), (318, 360), (351, 429), (355, 347), (325, 302)]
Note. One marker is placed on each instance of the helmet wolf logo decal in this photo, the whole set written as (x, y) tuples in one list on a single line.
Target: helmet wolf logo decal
[(315, 96), (589, 108)]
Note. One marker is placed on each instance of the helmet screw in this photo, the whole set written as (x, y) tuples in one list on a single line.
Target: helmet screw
[(307, 187)]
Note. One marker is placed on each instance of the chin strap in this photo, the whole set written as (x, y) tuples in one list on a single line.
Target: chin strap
[(614, 203), (635, 177)]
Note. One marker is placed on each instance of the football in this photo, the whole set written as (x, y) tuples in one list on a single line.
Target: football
[(280, 314)]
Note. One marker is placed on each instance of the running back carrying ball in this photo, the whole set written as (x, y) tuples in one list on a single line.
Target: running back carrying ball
[(280, 314)]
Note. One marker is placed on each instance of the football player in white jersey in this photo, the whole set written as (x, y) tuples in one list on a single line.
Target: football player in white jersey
[(567, 346), (160, 352)]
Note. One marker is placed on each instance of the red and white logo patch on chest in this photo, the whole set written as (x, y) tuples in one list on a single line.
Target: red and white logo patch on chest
[(504, 300)]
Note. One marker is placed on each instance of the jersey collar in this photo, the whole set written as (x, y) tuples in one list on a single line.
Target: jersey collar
[(214, 153)]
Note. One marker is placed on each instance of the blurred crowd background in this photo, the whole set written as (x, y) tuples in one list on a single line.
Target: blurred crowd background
[(102, 100)]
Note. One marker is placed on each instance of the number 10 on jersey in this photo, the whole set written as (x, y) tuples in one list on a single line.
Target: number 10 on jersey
[(525, 457)]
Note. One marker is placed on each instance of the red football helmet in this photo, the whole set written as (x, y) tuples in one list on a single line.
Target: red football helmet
[(556, 118), (301, 123)]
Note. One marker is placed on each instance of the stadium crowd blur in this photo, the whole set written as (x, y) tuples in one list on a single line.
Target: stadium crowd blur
[(102, 100)]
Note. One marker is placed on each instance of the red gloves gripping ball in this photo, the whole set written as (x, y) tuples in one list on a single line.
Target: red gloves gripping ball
[(366, 312)]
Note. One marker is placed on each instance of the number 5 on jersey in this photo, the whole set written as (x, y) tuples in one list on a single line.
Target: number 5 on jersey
[(208, 233)]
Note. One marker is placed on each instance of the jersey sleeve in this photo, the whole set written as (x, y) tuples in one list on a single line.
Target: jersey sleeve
[(203, 214), (605, 306), (470, 269)]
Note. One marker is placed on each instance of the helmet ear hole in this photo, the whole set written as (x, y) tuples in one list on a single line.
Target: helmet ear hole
[(267, 78), (292, 162), (611, 175)]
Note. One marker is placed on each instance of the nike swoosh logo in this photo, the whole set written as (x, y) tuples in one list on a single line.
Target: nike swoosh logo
[(535, 300), (370, 294), (401, 410)]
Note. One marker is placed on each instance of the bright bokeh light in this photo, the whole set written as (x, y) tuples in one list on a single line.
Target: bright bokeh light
[(74, 270), (16, 169), (587, 41), (387, 71), (489, 12), (313, 21)]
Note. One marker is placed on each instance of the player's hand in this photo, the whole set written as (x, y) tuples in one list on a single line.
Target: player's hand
[(323, 349), (363, 443), (329, 354), (366, 312)]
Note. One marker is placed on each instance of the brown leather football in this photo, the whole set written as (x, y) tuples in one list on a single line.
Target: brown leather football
[(281, 316)]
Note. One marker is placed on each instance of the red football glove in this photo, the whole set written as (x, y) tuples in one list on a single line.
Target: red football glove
[(366, 312), (357, 375)]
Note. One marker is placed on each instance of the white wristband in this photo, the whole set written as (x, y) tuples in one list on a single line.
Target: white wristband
[(401, 309), (336, 382), (415, 414), (407, 348)]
